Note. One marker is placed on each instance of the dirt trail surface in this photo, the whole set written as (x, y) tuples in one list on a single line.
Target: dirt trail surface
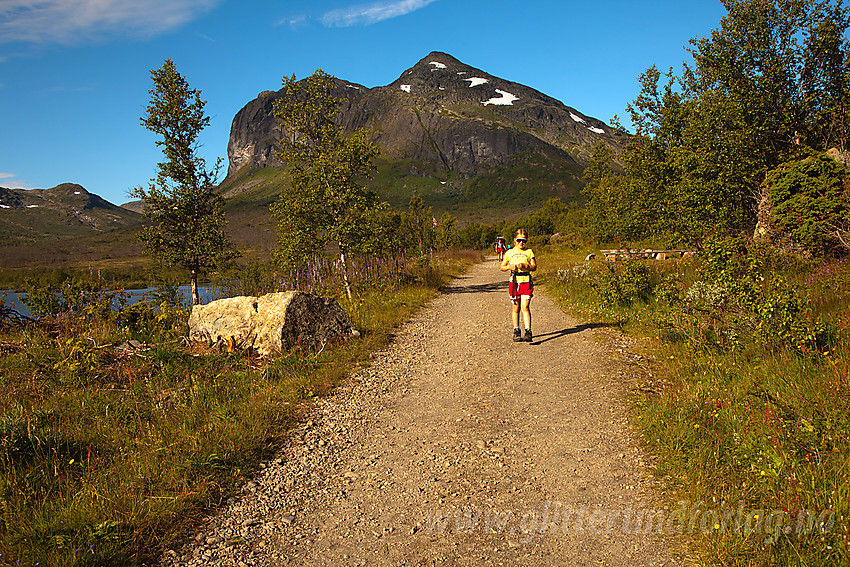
[(456, 446)]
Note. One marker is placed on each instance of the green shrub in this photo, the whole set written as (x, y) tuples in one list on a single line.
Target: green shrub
[(424, 272), (49, 296), (806, 197), (622, 284)]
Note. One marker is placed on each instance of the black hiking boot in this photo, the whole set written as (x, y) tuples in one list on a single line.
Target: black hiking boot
[(527, 338), (517, 335)]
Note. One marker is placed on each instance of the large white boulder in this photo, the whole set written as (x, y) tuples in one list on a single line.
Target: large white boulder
[(272, 323)]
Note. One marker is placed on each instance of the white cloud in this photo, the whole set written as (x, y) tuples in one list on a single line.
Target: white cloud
[(9, 180), (293, 22), (367, 14), (75, 21)]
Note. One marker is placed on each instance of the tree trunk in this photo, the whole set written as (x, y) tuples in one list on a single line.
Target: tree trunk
[(194, 285), (344, 271)]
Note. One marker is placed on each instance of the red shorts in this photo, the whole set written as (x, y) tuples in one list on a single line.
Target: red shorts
[(526, 288)]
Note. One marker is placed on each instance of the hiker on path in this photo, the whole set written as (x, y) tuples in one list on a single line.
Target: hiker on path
[(520, 262), (500, 247)]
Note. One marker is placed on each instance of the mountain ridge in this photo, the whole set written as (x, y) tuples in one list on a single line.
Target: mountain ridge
[(66, 210), (453, 117)]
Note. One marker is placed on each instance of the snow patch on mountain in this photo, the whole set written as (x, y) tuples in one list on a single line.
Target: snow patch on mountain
[(405, 88), (597, 130), (475, 81), (437, 65), (577, 118), (505, 98)]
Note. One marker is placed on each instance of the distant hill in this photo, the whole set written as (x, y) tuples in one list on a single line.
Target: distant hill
[(467, 141), (135, 206), (67, 210)]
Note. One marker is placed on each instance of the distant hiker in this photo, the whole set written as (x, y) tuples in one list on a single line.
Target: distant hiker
[(520, 262), (501, 247)]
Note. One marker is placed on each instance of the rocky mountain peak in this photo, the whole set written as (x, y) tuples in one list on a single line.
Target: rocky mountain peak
[(444, 116)]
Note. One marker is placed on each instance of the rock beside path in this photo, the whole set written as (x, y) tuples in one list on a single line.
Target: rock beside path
[(271, 323)]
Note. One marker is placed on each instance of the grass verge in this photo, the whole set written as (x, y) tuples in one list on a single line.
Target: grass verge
[(745, 398), (107, 455)]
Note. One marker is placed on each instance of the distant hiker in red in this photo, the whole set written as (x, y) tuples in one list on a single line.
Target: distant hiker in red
[(500, 247), (520, 262)]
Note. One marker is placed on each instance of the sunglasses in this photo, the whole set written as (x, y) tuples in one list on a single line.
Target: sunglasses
[(522, 240)]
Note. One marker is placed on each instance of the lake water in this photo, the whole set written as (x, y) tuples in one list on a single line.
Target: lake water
[(128, 297)]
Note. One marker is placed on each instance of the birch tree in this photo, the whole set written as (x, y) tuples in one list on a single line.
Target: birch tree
[(326, 200), (185, 212)]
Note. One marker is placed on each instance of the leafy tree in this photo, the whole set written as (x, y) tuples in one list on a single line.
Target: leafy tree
[(612, 198), (446, 234), (326, 200), (478, 236), (809, 199), (187, 219), (420, 223), (390, 232), (771, 80), (827, 80)]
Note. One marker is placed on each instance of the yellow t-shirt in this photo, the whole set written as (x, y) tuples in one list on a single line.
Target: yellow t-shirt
[(516, 256)]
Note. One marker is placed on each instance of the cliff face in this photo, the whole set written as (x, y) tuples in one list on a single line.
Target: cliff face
[(445, 116)]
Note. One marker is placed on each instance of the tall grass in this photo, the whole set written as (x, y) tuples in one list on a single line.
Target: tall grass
[(108, 453), (747, 400)]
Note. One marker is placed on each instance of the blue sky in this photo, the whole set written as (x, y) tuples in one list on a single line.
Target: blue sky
[(75, 74)]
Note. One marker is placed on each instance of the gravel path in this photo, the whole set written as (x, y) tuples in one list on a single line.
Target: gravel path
[(457, 447)]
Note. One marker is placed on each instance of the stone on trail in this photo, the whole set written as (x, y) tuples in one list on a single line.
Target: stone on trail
[(271, 323)]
